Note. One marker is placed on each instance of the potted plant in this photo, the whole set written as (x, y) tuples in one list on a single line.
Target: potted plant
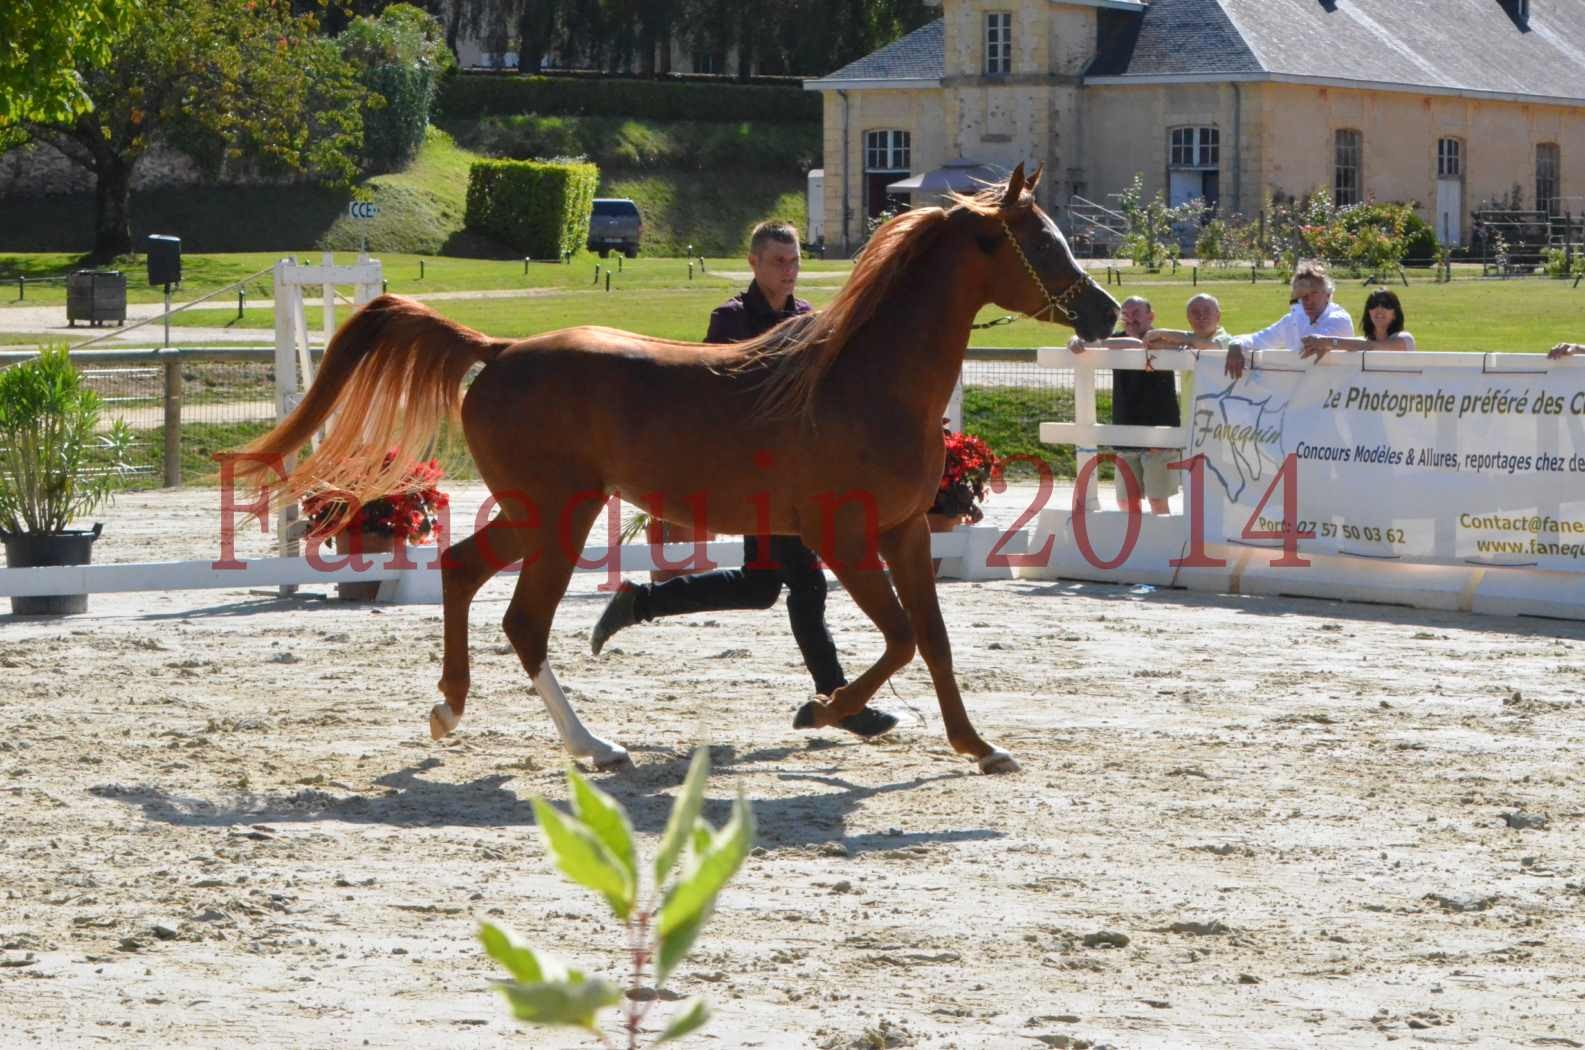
[(967, 471), (410, 517), (55, 468)]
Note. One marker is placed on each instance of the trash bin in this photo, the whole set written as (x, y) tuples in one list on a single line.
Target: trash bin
[(95, 296)]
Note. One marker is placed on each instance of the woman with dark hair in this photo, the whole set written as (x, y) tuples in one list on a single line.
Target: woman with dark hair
[(1382, 324)]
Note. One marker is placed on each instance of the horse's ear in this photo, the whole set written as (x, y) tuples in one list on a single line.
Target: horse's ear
[(1034, 180), (1015, 188)]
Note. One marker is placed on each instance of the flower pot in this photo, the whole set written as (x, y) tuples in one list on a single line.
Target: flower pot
[(941, 523), (362, 543), (29, 550)]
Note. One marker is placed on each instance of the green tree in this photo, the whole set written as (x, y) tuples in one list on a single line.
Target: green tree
[(1152, 237), (43, 46), (223, 80), (402, 54)]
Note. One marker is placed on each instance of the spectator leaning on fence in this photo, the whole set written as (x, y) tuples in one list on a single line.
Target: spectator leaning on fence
[(1205, 330), (1313, 313), (1383, 325), (1144, 398)]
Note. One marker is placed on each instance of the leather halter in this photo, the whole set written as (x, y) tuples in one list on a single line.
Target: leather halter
[(1060, 302)]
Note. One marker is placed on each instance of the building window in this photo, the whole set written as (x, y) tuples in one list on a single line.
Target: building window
[(998, 43), (1547, 193), (887, 150), (1195, 159), (1449, 158), (1346, 180), (1196, 148), (887, 155)]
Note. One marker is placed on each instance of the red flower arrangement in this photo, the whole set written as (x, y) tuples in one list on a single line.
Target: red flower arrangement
[(410, 516), (969, 464)]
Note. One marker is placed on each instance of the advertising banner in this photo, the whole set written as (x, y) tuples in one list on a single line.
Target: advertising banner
[(1437, 460)]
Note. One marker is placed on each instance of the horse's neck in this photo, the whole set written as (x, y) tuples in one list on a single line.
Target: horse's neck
[(917, 337)]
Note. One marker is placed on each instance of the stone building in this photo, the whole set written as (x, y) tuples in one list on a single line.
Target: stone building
[(1447, 103)]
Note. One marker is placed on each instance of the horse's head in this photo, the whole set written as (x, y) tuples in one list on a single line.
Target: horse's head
[(1030, 267)]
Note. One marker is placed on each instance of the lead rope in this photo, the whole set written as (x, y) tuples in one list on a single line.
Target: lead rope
[(1004, 319)]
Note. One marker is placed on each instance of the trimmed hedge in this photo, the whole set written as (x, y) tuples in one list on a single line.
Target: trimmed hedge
[(537, 207), (478, 95), (632, 144)]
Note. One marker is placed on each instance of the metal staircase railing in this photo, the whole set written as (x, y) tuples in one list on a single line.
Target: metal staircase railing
[(1094, 226)]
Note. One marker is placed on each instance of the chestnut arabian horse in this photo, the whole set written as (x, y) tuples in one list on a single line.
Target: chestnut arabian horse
[(828, 427)]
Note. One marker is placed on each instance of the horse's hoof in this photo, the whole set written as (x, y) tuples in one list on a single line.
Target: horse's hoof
[(997, 761), (805, 718), (442, 720), (616, 758), (602, 754)]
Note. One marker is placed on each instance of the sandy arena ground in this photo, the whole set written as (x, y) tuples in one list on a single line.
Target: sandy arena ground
[(1241, 822)]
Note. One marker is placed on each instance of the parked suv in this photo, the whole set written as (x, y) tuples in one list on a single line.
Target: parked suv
[(616, 224)]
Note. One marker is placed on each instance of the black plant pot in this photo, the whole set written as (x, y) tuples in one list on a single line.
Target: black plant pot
[(30, 550)]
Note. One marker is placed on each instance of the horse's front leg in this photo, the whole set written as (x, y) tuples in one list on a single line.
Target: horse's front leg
[(851, 557), (579, 742), (907, 551)]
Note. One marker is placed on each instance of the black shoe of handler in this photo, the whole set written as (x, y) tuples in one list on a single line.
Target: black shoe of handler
[(870, 722), (619, 613)]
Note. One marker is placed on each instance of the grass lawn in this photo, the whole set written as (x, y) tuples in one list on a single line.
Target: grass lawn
[(206, 272), (654, 297), (1513, 316)]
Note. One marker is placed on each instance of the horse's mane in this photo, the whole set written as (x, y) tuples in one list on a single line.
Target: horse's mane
[(799, 352)]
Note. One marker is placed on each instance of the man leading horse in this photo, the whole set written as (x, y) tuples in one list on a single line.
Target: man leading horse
[(845, 403)]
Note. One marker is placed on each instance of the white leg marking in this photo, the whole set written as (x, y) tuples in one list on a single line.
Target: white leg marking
[(442, 720), (579, 742)]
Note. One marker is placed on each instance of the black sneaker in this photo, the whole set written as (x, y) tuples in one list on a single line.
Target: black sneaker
[(870, 722), (619, 613)]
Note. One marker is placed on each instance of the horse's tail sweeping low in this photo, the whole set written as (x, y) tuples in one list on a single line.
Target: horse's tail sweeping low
[(390, 377)]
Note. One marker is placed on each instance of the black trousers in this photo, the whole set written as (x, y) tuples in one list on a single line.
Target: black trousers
[(756, 588)]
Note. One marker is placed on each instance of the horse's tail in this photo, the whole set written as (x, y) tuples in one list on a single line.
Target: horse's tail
[(391, 376)]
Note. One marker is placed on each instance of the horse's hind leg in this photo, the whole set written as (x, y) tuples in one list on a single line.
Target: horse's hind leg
[(540, 587), (907, 551), (464, 569)]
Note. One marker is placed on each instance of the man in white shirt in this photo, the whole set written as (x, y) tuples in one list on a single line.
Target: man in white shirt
[(1313, 313)]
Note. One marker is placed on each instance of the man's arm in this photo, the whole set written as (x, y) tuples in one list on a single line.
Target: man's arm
[(1116, 342), (1275, 336), (1173, 338)]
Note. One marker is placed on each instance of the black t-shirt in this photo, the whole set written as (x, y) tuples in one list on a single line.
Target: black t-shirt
[(748, 314), (1144, 399)]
